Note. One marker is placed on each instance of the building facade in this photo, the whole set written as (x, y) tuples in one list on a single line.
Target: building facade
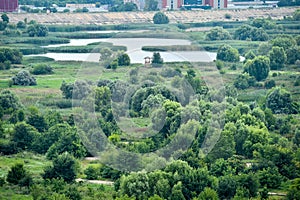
[(216, 4), (9, 5), (172, 4)]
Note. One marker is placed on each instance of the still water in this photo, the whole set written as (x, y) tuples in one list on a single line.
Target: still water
[(134, 50)]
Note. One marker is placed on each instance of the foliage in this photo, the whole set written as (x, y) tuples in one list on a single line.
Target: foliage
[(157, 59), (249, 55), (270, 84), (284, 41), (293, 54), (123, 60), (24, 78), (18, 176), (12, 55), (65, 166), (218, 33), (42, 69), (259, 67), (280, 101), (277, 58), (160, 18), (263, 23), (68, 142), (208, 194), (67, 89), (244, 81), (246, 32), (92, 173), (136, 185), (228, 53), (38, 30), (24, 135), (5, 18), (9, 102)]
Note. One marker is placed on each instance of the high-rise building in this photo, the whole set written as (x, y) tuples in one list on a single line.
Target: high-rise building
[(8, 5)]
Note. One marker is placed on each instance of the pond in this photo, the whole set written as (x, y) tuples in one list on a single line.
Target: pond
[(134, 50)]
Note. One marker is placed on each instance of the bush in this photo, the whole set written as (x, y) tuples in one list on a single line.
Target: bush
[(160, 18), (42, 69), (23, 78), (12, 55), (218, 33), (227, 16), (228, 53), (269, 84)]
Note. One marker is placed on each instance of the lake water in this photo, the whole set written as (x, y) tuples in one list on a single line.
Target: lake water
[(134, 50)]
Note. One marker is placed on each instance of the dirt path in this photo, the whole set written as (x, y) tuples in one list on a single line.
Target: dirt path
[(95, 181), (146, 17)]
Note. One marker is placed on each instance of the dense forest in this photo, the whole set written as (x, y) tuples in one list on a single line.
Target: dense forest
[(227, 129)]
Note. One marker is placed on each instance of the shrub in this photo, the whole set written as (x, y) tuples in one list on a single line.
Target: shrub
[(228, 53), (42, 69), (24, 78), (227, 16), (269, 84), (160, 18)]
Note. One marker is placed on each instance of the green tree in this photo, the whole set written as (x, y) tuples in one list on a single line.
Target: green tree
[(42, 69), (65, 166), (157, 59), (16, 174), (47, 139), (92, 173), (293, 54), (218, 33), (257, 137), (23, 78), (160, 18), (244, 81), (38, 30), (208, 194), (249, 55), (9, 102), (24, 135), (123, 60), (296, 15), (246, 32), (38, 121), (106, 53), (277, 58), (224, 147), (176, 193), (263, 23), (280, 101), (249, 182), (294, 190), (284, 41), (130, 6), (228, 53), (259, 67), (270, 177), (227, 187), (135, 185), (69, 142), (5, 18), (67, 89)]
